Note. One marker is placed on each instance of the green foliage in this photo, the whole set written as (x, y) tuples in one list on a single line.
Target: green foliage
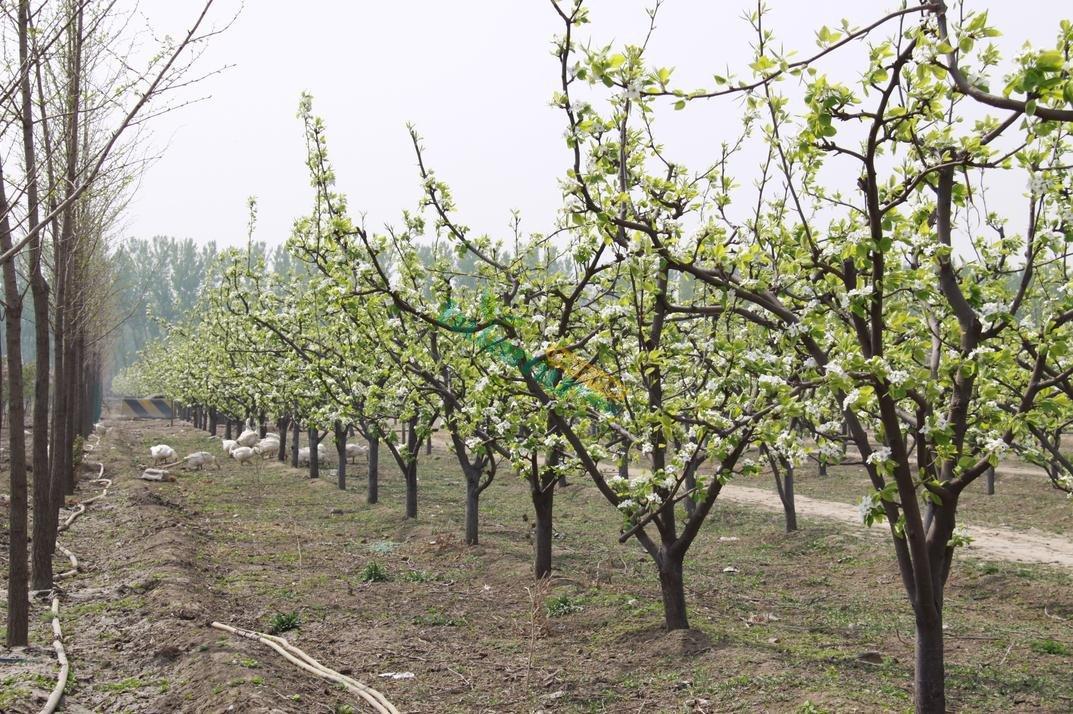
[(562, 604), (1051, 647), (374, 572), (283, 622), (418, 576)]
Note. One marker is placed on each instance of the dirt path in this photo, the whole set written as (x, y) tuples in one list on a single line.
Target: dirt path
[(990, 543)]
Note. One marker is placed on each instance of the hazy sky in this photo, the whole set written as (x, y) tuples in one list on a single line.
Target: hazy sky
[(474, 76)]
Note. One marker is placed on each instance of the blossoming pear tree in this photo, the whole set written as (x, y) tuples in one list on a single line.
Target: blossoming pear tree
[(936, 322)]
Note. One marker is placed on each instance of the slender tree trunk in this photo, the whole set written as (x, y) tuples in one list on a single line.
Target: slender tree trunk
[(212, 421), (929, 693), (410, 475), (785, 486), (372, 493), (672, 587), (283, 426), (227, 429), (428, 446), (296, 433), (18, 605), (70, 362), (41, 556), (990, 480), (788, 505), (314, 454), (543, 500), (263, 428), (473, 496), (340, 452), (410, 472), (691, 485)]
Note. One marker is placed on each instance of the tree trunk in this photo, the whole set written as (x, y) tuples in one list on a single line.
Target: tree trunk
[(372, 493), (282, 426), (18, 605), (410, 473), (929, 695), (212, 422), (473, 498), (70, 365), (990, 480), (672, 586), (690, 485), (788, 505), (822, 471), (428, 445), (413, 447), (785, 486), (227, 429), (263, 428), (340, 452), (41, 557), (296, 433), (314, 455), (543, 500)]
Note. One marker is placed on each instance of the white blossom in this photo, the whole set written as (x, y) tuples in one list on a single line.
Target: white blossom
[(879, 455)]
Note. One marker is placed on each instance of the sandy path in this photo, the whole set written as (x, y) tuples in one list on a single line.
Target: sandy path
[(1029, 546)]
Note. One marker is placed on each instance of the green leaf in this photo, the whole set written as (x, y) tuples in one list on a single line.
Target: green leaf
[(1051, 61)]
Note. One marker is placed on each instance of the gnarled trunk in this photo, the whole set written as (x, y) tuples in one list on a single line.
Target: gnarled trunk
[(672, 587), (929, 680), (543, 501)]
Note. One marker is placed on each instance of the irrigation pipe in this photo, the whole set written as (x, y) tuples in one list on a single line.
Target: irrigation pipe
[(57, 633), (376, 700)]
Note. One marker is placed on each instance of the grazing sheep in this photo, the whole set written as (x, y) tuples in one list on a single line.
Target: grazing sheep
[(303, 455), (228, 444), (200, 459), (161, 452), (248, 438), (353, 451), (267, 448), (243, 454)]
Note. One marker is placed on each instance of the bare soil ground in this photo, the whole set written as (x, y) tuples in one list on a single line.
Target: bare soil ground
[(809, 621)]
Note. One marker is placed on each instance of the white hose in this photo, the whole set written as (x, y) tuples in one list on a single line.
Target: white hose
[(61, 656), (296, 656), (57, 633)]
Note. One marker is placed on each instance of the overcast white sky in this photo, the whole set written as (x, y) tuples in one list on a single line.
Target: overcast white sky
[(475, 76)]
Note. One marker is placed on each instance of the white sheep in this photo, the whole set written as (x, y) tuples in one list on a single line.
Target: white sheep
[(353, 451), (200, 459), (228, 444), (161, 452), (272, 435), (267, 448), (243, 454), (322, 455), (248, 438)]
